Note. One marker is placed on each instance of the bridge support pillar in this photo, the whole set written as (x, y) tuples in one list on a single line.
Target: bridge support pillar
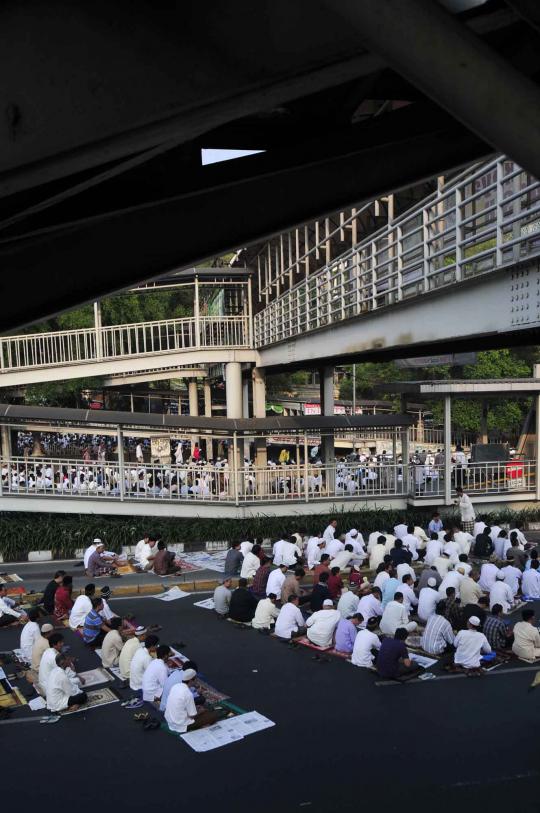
[(193, 396), (326, 384), (121, 469), (233, 395), (6, 442), (258, 379), (447, 450), (208, 414), (244, 442), (536, 374)]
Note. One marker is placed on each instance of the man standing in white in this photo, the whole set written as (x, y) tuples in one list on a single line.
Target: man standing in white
[(321, 625), (330, 531), (471, 645), (30, 634), (466, 510)]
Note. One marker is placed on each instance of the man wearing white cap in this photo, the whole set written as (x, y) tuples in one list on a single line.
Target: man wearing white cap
[(427, 600), (322, 624), (355, 538), (181, 712), (501, 593), (470, 645), (128, 651)]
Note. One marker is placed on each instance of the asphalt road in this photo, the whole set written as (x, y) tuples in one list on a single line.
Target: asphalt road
[(340, 741)]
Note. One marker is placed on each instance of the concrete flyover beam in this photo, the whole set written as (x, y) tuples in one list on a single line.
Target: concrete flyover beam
[(117, 366), (153, 375), (454, 68), (493, 309)]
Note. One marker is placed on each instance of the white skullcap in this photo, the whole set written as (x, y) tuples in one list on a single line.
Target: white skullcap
[(188, 674), (140, 630), (328, 602), (353, 532), (474, 620), (500, 574), (432, 582), (98, 542)]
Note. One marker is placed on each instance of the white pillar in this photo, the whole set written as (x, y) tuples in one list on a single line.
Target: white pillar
[(233, 389), (6, 442), (97, 327), (326, 386), (208, 414), (193, 396), (447, 450), (258, 378), (536, 374), (121, 470)]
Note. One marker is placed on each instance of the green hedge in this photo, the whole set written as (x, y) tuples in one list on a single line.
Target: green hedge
[(63, 534)]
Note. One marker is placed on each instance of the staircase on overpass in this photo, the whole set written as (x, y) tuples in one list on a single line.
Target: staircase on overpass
[(464, 263)]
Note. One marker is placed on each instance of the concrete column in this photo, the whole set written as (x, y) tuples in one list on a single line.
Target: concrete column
[(6, 442), (193, 395), (98, 326), (121, 468), (405, 459), (484, 422), (258, 379), (233, 389), (536, 374), (447, 450), (326, 386), (208, 414), (244, 442)]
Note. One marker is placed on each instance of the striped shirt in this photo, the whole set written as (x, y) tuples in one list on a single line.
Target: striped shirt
[(495, 631), (92, 626), (437, 634)]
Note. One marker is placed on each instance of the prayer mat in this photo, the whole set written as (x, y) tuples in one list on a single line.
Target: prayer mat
[(209, 692), (10, 696), (94, 677), (328, 650), (96, 698), (125, 570), (13, 590), (187, 566), (10, 578)]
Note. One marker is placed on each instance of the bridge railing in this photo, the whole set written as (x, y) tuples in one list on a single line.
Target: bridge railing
[(121, 341), (486, 218), (53, 477)]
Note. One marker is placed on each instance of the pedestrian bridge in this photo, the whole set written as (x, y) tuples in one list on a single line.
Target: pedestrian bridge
[(462, 265)]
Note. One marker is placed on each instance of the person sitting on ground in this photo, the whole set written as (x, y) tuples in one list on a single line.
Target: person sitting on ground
[(243, 603), (427, 600), (266, 613), (390, 587), (276, 580), (61, 691), (452, 579), (314, 551), (95, 628), (370, 605), (335, 583), (260, 580), (50, 590), (470, 645), (251, 562), (410, 542), (322, 624), (291, 555), (233, 561), (139, 663), (48, 660), (469, 589), (111, 558), (399, 554), (40, 646), (81, 607), (155, 675), (222, 598), (395, 615), (438, 635), (344, 558), (320, 593), (291, 587), (377, 553), (181, 712), (145, 552), (530, 583), (98, 565), (480, 609), (290, 621), (366, 644), (30, 634), (498, 634), (322, 567), (130, 647), (488, 576), (348, 603), (463, 565), (164, 561), (428, 573), (451, 548), (176, 675), (527, 637), (512, 576), (515, 554), (410, 602), (62, 600), (533, 557), (501, 594), (442, 564), (434, 549), (435, 524), (393, 662), (501, 545), (483, 544), (452, 608), (112, 643), (346, 631)]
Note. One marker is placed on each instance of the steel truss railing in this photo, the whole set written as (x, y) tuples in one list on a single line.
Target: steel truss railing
[(54, 477), (487, 218)]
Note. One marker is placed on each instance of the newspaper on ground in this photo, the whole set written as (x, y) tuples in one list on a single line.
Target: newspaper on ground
[(226, 731), (172, 595), (421, 660), (206, 604)]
